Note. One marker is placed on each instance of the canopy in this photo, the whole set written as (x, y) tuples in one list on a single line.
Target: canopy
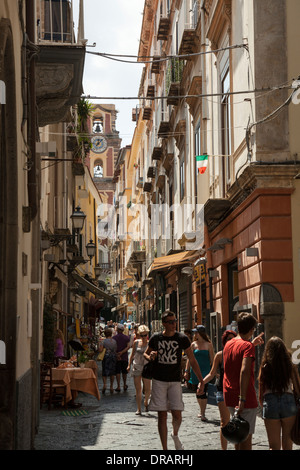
[(164, 263), (92, 288)]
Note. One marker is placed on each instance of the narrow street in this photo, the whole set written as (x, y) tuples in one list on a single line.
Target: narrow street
[(112, 426)]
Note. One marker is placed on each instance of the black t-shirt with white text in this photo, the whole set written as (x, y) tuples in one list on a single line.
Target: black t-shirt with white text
[(169, 353)]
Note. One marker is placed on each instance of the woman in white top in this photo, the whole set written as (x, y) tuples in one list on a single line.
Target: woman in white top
[(278, 385), (138, 361)]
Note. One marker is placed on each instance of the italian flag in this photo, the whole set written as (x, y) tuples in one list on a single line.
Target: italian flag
[(202, 162)]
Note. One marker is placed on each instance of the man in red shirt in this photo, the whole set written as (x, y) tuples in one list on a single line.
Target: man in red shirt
[(238, 383)]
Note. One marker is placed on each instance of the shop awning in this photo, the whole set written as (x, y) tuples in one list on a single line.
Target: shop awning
[(164, 263), (94, 289)]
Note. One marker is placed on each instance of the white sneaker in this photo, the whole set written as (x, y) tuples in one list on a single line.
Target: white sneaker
[(177, 442)]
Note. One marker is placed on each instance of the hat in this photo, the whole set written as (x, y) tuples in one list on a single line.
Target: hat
[(120, 326), (198, 328)]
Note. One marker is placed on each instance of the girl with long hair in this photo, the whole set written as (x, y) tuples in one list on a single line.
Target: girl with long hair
[(278, 385), (203, 351)]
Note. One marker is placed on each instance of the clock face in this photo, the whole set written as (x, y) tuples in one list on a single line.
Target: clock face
[(99, 144)]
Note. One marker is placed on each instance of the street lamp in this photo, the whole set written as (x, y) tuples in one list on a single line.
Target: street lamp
[(97, 270), (78, 218), (91, 250)]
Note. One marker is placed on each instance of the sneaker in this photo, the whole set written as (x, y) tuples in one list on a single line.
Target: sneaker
[(177, 442)]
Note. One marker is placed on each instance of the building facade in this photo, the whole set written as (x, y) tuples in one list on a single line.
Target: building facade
[(41, 80), (217, 154)]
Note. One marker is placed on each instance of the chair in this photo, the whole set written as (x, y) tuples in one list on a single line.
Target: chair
[(50, 392)]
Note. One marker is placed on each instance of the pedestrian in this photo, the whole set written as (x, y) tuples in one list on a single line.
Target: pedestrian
[(165, 348), (123, 344), (137, 360), (59, 344), (238, 384), (218, 369), (278, 386), (110, 359), (204, 353)]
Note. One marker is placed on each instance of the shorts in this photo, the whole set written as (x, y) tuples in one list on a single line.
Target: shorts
[(166, 396), (276, 406), (121, 367), (249, 414)]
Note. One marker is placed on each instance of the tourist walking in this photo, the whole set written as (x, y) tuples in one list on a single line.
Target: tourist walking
[(123, 344), (203, 351), (110, 359), (137, 360), (238, 384), (278, 385), (218, 369), (165, 348)]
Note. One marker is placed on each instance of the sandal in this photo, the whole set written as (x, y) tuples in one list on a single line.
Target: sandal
[(138, 413), (203, 418), (125, 387), (103, 390), (117, 389)]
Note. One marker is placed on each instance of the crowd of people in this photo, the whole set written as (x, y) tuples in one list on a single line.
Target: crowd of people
[(189, 358)]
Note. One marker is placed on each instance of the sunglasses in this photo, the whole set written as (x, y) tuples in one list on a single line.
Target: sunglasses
[(171, 322), (143, 336)]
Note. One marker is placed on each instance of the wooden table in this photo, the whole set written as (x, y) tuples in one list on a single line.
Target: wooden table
[(77, 379)]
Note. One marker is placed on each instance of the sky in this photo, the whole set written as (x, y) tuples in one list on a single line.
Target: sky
[(115, 27)]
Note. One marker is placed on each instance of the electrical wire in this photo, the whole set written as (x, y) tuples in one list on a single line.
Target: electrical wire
[(117, 57), (206, 95)]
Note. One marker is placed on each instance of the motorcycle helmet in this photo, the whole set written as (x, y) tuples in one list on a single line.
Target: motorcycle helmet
[(237, 430)]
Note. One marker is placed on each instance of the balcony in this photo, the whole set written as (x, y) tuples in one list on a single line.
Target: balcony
[(60, 62), (173, 80), (155, 66), (151, 172), (147, 186), (136, 253), (164, 127), (147, 110), (188, 21), (150, 93), (157, 153), (135, 114), (163, 24)]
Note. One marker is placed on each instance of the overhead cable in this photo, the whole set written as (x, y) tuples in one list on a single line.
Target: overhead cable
[(206, 95), (155, 59)]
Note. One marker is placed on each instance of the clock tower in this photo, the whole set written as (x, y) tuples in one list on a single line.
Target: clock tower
[(105, 146)]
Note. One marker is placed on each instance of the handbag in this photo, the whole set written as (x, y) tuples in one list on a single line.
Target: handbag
[(148, 370), (101, 355)]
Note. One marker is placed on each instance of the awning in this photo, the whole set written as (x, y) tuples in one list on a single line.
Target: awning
[(92, 288), (164, 263)]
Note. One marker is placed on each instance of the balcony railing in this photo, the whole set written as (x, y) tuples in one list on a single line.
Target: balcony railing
[(55, 22)]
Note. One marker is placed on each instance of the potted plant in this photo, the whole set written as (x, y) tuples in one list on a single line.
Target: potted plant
[(82, 359)]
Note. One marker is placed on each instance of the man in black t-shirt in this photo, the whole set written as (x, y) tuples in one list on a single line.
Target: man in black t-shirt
[(166, 395)]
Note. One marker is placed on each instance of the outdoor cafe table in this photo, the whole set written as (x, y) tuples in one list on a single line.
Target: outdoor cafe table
[(77, 379)]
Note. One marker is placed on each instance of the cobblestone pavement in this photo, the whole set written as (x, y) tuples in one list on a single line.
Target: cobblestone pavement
[(111, 425)]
